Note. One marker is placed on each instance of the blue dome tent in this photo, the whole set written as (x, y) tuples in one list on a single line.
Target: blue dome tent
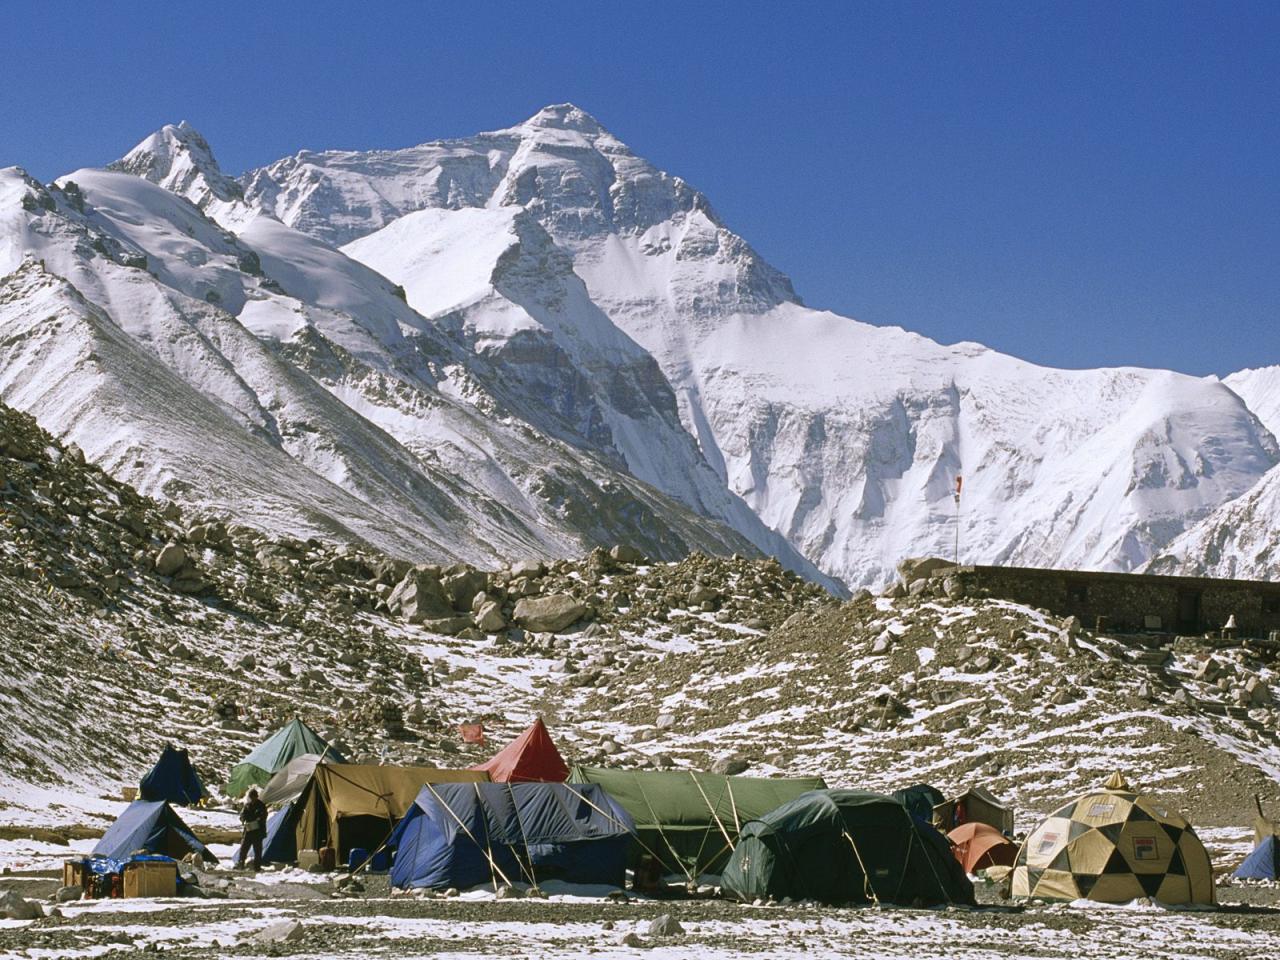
[(467, 834)]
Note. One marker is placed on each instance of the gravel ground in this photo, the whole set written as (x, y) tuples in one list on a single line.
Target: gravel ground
[(376, 924)]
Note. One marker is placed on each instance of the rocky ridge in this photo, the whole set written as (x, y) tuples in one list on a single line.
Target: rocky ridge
[(131, 622)]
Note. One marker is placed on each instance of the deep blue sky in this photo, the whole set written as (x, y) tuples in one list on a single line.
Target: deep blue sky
[(1078, 184)]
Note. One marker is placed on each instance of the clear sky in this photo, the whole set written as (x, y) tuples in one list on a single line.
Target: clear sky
[(1078, 184)]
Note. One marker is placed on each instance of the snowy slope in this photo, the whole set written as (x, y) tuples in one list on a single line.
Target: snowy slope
[(1241, 538), (843, 437), (308, 421), (1260, 389)]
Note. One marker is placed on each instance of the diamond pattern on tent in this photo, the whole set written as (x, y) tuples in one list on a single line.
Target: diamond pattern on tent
[(1150, 882), (1116, 863), (1111, 831), (1063, 813), (1078, 829), (1085, 882), (1061, 862), (1115, 852)]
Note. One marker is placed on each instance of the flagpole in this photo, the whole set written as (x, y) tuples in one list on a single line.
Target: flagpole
[(959, 484)]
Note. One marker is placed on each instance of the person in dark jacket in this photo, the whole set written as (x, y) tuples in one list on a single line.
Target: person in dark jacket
[(254, 817)]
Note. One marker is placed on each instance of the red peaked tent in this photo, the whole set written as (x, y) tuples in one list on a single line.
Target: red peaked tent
[(531, 757)]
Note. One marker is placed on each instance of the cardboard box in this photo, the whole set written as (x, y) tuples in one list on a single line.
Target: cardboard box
[(151, 878)]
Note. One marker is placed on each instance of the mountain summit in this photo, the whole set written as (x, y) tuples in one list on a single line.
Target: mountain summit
[(565, 116), (179, 159)]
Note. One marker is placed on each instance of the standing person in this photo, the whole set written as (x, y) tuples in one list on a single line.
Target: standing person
[(254, 817)]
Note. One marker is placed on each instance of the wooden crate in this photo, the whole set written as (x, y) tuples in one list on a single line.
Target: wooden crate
[(72, 873), (151, 878)]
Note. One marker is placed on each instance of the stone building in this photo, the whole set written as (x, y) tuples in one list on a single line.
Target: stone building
[(1130, 601)]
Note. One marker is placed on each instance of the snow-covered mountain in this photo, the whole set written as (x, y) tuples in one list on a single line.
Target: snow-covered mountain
[(270, 378), (1260, 389), (1242, 537), (532, 341), (845, 438)]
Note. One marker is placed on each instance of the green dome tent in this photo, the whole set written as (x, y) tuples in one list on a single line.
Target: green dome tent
[(292, 740), (844, 846)]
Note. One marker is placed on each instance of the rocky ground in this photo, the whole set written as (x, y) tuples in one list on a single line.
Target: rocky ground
[(128, 623), (316, 923)]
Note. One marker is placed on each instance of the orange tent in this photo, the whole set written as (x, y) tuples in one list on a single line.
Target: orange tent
[(977, 846), (531, 757)]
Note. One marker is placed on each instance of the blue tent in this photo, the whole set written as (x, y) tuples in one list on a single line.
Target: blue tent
[(532, 831), (1263, 863), (920, 799), (151, 826), (172, 779), (281, 843)]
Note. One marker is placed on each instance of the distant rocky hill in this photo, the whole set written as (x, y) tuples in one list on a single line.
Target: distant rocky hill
[(129, 623)]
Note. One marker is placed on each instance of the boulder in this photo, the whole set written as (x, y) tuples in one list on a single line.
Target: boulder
[(552, 613), (915, 568), (169, 559), (489, 617), (461, 588), (1209, 670), (15, 907), (284, 931), (67, 894), (624, 553), (730, 766), (446, 626), (702, 594), (531, 569), (1257, 692), (420, 596), (665, 926)]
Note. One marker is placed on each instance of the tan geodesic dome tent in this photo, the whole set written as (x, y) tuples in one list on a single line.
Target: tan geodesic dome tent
[(1114, 845)]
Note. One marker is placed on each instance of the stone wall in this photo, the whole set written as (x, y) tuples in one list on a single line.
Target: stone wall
[(1132, 601)]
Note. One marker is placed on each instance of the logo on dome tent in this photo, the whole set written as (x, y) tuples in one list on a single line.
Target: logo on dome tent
[(1144, 848), (1047, 842)]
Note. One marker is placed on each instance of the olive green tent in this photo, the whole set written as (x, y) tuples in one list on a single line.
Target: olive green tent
[(844, 846), (292, 740), (689, 821)]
